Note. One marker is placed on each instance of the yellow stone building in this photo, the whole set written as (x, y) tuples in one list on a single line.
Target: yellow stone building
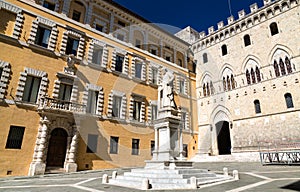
[(78, 86)]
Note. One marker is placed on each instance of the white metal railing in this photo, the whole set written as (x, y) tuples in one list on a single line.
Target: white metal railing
[(56, 104)]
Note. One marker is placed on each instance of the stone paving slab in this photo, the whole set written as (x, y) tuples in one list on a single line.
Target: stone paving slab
[(253, 177)]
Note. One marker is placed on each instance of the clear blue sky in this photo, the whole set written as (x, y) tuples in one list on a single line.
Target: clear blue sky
[(199, 14)]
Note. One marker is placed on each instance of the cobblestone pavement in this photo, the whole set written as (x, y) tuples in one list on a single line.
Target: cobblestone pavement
[(253, 177)]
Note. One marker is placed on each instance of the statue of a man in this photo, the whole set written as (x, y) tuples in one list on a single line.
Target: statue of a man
[(167, 95)]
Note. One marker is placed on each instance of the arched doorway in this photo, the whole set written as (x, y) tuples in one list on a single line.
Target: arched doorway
[(57, 148), (223, 137)]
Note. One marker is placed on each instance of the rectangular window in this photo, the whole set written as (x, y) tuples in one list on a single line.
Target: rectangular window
[(76, 15), (99, 28), (153, 112), (154, 76), (181, 86), (183, 120), (92, 143), (168, 58), (117, 103), (138, 43), (97, 55), (114, 144), (119, 63), (180, 62), (120, 37), (137, 105), (138, 70), (42, 36), (153, 51), (152, 145), (92, 102), (48, 5), (15, 137), (31, 89), (72, 46), (185, 150), (121, 23), (135, 146), (65, 91), (1, 70)]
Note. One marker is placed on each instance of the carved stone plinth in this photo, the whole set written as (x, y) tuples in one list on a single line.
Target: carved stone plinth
[(71, 167), (37, 168)]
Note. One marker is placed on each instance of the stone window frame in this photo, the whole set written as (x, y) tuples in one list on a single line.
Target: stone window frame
[(179, 78), (289, 101), (98, 21), (150, 74), (208, 86), (135, 97), (100, 101), (92, 45), (19, 17), (40, 21), (74, 93), (4, 78), (153, 47), (149, 110), (123, 104), (135, 60), (187, 119), (121, 31), (22, 81), (125, 66), (80, 49), (56, 2)]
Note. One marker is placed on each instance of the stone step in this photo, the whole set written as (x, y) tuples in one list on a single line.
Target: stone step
[(208, 180), (192, 171), (155, 180), (170, 171), (199, 175), (153, 175), (126, 183), (159, 186)]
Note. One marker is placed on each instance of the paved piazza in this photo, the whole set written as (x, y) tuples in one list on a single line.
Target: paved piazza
[(253, 177)]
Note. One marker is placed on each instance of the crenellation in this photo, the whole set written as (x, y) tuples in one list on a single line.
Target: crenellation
[(220, 25), (211, 30), (230, 20), (242, 14), (253, 7), (266, 2)]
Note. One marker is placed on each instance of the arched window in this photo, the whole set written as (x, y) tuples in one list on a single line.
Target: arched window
[(212, 89), (282, 67), (257, 74), (224, 50), (228, 83), (289, 100), (224, 84), (276, 68), (257, 106), (247, 40), (204, 90), (253, 76), (248, 77), (232, 82), (274, 28), (208, 89), (205, 59), (288, 65)]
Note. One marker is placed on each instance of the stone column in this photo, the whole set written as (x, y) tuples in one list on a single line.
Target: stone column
[(146, 40), (111, 22), (175, 55), (180, 144), (66, 7), (71, 165), (156, 144), (88, 15), (204, 141), (161, 48), (38, 166)]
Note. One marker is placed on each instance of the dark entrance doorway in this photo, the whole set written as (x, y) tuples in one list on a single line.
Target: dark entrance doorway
[(57, 148), (223, 135)]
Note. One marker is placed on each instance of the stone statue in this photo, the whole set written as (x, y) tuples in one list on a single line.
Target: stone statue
[(167, 94)]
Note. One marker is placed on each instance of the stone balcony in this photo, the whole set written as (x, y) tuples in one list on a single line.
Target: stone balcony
[(55, 105)]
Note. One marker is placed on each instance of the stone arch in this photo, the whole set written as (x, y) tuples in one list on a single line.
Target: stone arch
[(250, 59), (279, 51), (220, 113), (138, 35), (227, 69)]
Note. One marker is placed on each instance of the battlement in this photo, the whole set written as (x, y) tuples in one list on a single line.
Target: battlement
[(257, 15)]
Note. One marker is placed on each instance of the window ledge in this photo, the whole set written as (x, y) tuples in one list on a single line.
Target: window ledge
[(26, 104), (121, 74), (153, 85), (137, 123), (40, 48), (98, 66), (138, 80)]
